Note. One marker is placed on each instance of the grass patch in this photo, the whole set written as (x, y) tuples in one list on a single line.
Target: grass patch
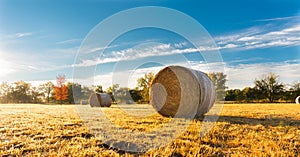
[(241, 130)]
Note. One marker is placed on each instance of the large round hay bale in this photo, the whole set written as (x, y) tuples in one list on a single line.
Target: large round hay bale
[(100, 100), (177, 91), (297, 100)]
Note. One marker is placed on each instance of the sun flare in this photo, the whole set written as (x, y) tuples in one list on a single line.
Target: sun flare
[(5, 67)]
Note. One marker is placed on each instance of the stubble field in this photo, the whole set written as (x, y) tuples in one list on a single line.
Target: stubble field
[(241, 130)]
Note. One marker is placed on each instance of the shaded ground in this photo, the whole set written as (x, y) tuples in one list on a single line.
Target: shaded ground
[(242, 130)]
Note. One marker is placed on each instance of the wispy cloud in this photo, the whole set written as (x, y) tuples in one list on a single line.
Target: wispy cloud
[(88, 50), (129, 54), (239, 76), (20, 35), (125, 78), (261, 38), (251, 39), (279, 18), (287, 34), (70, 41), (59, 52), (147, 50), (244, 75)]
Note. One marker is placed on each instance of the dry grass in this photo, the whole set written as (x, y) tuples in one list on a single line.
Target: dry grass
[(242, 130)]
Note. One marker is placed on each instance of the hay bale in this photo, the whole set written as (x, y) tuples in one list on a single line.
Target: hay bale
[(83, 102), (100, 100), (297, 100), (181, 92)]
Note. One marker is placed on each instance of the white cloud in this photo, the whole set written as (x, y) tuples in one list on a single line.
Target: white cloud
[(19, 35), (146, 50), (70, 41), (230, 37), (244, 75), (180, 45), (129, 78), (280, 18), (229, 46), (251, 38), (128, 54), (239, 76), (36, 83), (126, 78), (246, 38), (261, 38)]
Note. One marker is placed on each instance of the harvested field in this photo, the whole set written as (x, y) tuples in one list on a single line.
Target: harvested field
[(241, 130)]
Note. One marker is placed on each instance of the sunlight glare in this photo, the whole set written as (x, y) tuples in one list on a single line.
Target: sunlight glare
[(5, 67)]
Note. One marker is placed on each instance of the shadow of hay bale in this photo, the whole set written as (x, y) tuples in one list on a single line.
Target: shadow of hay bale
[(266, 122)]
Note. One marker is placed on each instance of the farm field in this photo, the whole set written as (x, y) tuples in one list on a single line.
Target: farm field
[(241, 130)]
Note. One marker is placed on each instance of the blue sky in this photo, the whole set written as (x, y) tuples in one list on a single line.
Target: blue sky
[(41, 39)]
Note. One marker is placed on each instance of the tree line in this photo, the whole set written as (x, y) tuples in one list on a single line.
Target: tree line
[(23, 92), (266, 89), (70, 93)]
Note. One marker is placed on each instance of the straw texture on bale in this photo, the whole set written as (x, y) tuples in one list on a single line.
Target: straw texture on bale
[(100, 100), (177, 91), (297, 100)]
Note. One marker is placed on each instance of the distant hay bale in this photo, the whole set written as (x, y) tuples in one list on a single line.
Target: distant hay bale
[(100, 100), (83, 102), (177, 91), (297, 100)]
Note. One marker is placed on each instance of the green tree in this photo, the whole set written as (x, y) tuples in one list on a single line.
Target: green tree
[(5, 92), (74, 93), (21, 92), (230, 95), (86, 92), (135, 95), (144, 85), (269, 87), (99, 89), (35, 95), (234, 95), (122, 95), (296, 88), (289, 95), (113, 90), (219, 80), (47, 89), (293, 92), (70, 98), (251, 94)]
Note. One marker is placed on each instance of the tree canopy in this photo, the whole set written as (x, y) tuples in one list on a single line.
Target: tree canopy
[(269, 86), (143, 84), (61, 90), (219, 80)]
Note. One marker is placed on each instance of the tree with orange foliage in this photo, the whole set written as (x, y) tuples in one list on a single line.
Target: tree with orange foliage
[(61, 90)]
